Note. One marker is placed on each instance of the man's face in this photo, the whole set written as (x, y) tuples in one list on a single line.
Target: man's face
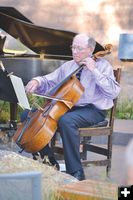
[(80, 48)]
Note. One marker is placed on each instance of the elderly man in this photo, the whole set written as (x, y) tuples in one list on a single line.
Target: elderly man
[(100, 89)]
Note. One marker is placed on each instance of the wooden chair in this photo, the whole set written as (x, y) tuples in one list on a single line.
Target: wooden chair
[(104, 128)]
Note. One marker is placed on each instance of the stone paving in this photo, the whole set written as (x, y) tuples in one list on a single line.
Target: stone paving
[(117, 174)]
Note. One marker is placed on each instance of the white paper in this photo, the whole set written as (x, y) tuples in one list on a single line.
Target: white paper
[(20, 92)]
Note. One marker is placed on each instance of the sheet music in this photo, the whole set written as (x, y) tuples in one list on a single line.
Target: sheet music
[(20, 92)]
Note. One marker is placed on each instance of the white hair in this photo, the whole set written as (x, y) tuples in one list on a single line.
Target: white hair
[(91, 40)]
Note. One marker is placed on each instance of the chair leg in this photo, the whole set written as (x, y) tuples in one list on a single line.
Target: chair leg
[(109, 156), (84, 152), (84, 141), (108, 169)]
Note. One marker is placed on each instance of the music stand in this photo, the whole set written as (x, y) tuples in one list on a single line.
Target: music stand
[(7, 92), (2, 42), (12, 90)]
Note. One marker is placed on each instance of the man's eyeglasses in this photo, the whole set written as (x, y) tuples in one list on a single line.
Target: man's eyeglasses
[(77, 48)]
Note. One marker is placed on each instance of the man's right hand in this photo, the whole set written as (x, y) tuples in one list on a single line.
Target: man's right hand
[(31, 86)]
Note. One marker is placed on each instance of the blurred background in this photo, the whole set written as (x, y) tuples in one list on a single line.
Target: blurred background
[(105, 20)]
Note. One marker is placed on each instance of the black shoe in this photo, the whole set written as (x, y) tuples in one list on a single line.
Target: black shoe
[(79, 175), (35, 156), (53, 162), (48, 160)]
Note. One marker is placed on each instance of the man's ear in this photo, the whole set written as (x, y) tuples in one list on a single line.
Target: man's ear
[(90, 51)]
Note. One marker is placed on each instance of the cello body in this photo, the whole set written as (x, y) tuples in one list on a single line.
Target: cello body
[(39, 127)]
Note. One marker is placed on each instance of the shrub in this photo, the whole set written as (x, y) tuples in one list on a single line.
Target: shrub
[(4, 112), (124, 110)]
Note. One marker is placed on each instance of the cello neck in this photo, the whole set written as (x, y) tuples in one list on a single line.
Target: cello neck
[(54, 89)]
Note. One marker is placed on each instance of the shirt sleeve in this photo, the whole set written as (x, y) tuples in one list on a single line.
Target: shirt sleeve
[(105, 80), (48, 81)]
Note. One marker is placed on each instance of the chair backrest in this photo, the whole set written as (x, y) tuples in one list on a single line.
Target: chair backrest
[(117, 74), (20, 186)]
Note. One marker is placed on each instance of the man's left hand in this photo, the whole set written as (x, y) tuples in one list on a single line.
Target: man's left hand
[(89, 63)]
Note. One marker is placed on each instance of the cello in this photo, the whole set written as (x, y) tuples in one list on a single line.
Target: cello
[(40, 126)]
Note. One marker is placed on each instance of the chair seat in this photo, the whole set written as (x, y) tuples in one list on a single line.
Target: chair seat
[(100, 124)]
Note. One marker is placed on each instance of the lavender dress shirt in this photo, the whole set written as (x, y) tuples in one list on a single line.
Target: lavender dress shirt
[(100, 85)]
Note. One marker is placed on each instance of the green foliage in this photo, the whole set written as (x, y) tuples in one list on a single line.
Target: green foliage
[(4, 117), (36, 101), (5, 108), (4, 112), (125, 110)]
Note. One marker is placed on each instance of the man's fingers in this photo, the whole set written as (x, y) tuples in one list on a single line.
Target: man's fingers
[(31, 86)]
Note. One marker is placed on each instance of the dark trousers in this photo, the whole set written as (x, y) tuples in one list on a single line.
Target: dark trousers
[(68, 124)]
